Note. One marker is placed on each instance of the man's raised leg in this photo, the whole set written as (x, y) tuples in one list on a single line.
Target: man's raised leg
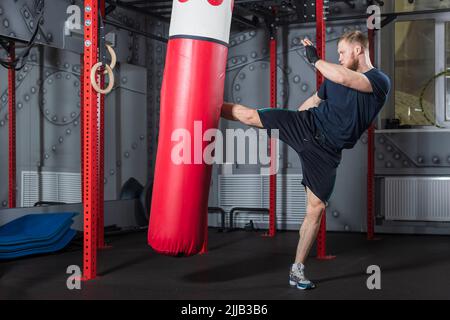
[(238, 112)]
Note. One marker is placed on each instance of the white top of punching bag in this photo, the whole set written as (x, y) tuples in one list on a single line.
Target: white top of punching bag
[(210, 19)]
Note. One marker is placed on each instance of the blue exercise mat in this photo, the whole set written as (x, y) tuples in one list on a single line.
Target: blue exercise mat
[(63, 242), (37, 244), (34, 227)]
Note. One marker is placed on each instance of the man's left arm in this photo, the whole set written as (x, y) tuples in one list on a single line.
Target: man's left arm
[(336, 73), (344, 76)]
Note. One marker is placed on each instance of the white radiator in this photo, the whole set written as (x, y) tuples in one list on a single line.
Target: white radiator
[(55, 186), (417, 198)]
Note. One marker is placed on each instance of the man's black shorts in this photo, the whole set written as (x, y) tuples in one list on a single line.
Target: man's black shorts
[(318, 156)]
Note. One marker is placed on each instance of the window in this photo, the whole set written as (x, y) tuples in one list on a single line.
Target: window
[(417, 5), (414, 67)]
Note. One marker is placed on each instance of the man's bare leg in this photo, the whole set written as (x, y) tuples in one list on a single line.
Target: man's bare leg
[(308, 234), (310, 226), (238, 112)]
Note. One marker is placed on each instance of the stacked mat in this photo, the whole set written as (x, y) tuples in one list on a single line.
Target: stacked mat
[(36, 234)]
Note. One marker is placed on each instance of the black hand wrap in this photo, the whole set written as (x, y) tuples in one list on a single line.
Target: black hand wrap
[(311, 54)]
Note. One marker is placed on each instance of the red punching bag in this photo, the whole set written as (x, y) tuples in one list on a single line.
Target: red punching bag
[(191, 100)]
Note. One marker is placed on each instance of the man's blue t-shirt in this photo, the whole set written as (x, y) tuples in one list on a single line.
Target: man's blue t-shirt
[(345, 113)]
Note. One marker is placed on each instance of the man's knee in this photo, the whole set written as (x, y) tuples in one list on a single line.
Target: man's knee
[(314, 210), (316, 203)]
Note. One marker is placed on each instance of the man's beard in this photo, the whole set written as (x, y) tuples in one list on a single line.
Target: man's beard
[(354, 65)]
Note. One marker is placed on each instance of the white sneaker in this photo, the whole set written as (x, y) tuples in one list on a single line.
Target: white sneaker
[(297, 278)]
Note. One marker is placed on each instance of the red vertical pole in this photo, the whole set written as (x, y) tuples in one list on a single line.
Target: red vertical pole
[(90, 149), (82, 123), (101, 173), (371, 157), (12, 128), (320, 40), (273, 154)]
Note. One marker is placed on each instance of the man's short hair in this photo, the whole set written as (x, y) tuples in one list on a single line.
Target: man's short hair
[(355, 37)]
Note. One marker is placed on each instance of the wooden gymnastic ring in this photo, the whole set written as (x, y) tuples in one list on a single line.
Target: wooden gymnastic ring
[(110, 73)]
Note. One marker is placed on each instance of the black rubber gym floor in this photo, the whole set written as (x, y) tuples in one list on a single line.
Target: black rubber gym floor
[(240, 265)]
